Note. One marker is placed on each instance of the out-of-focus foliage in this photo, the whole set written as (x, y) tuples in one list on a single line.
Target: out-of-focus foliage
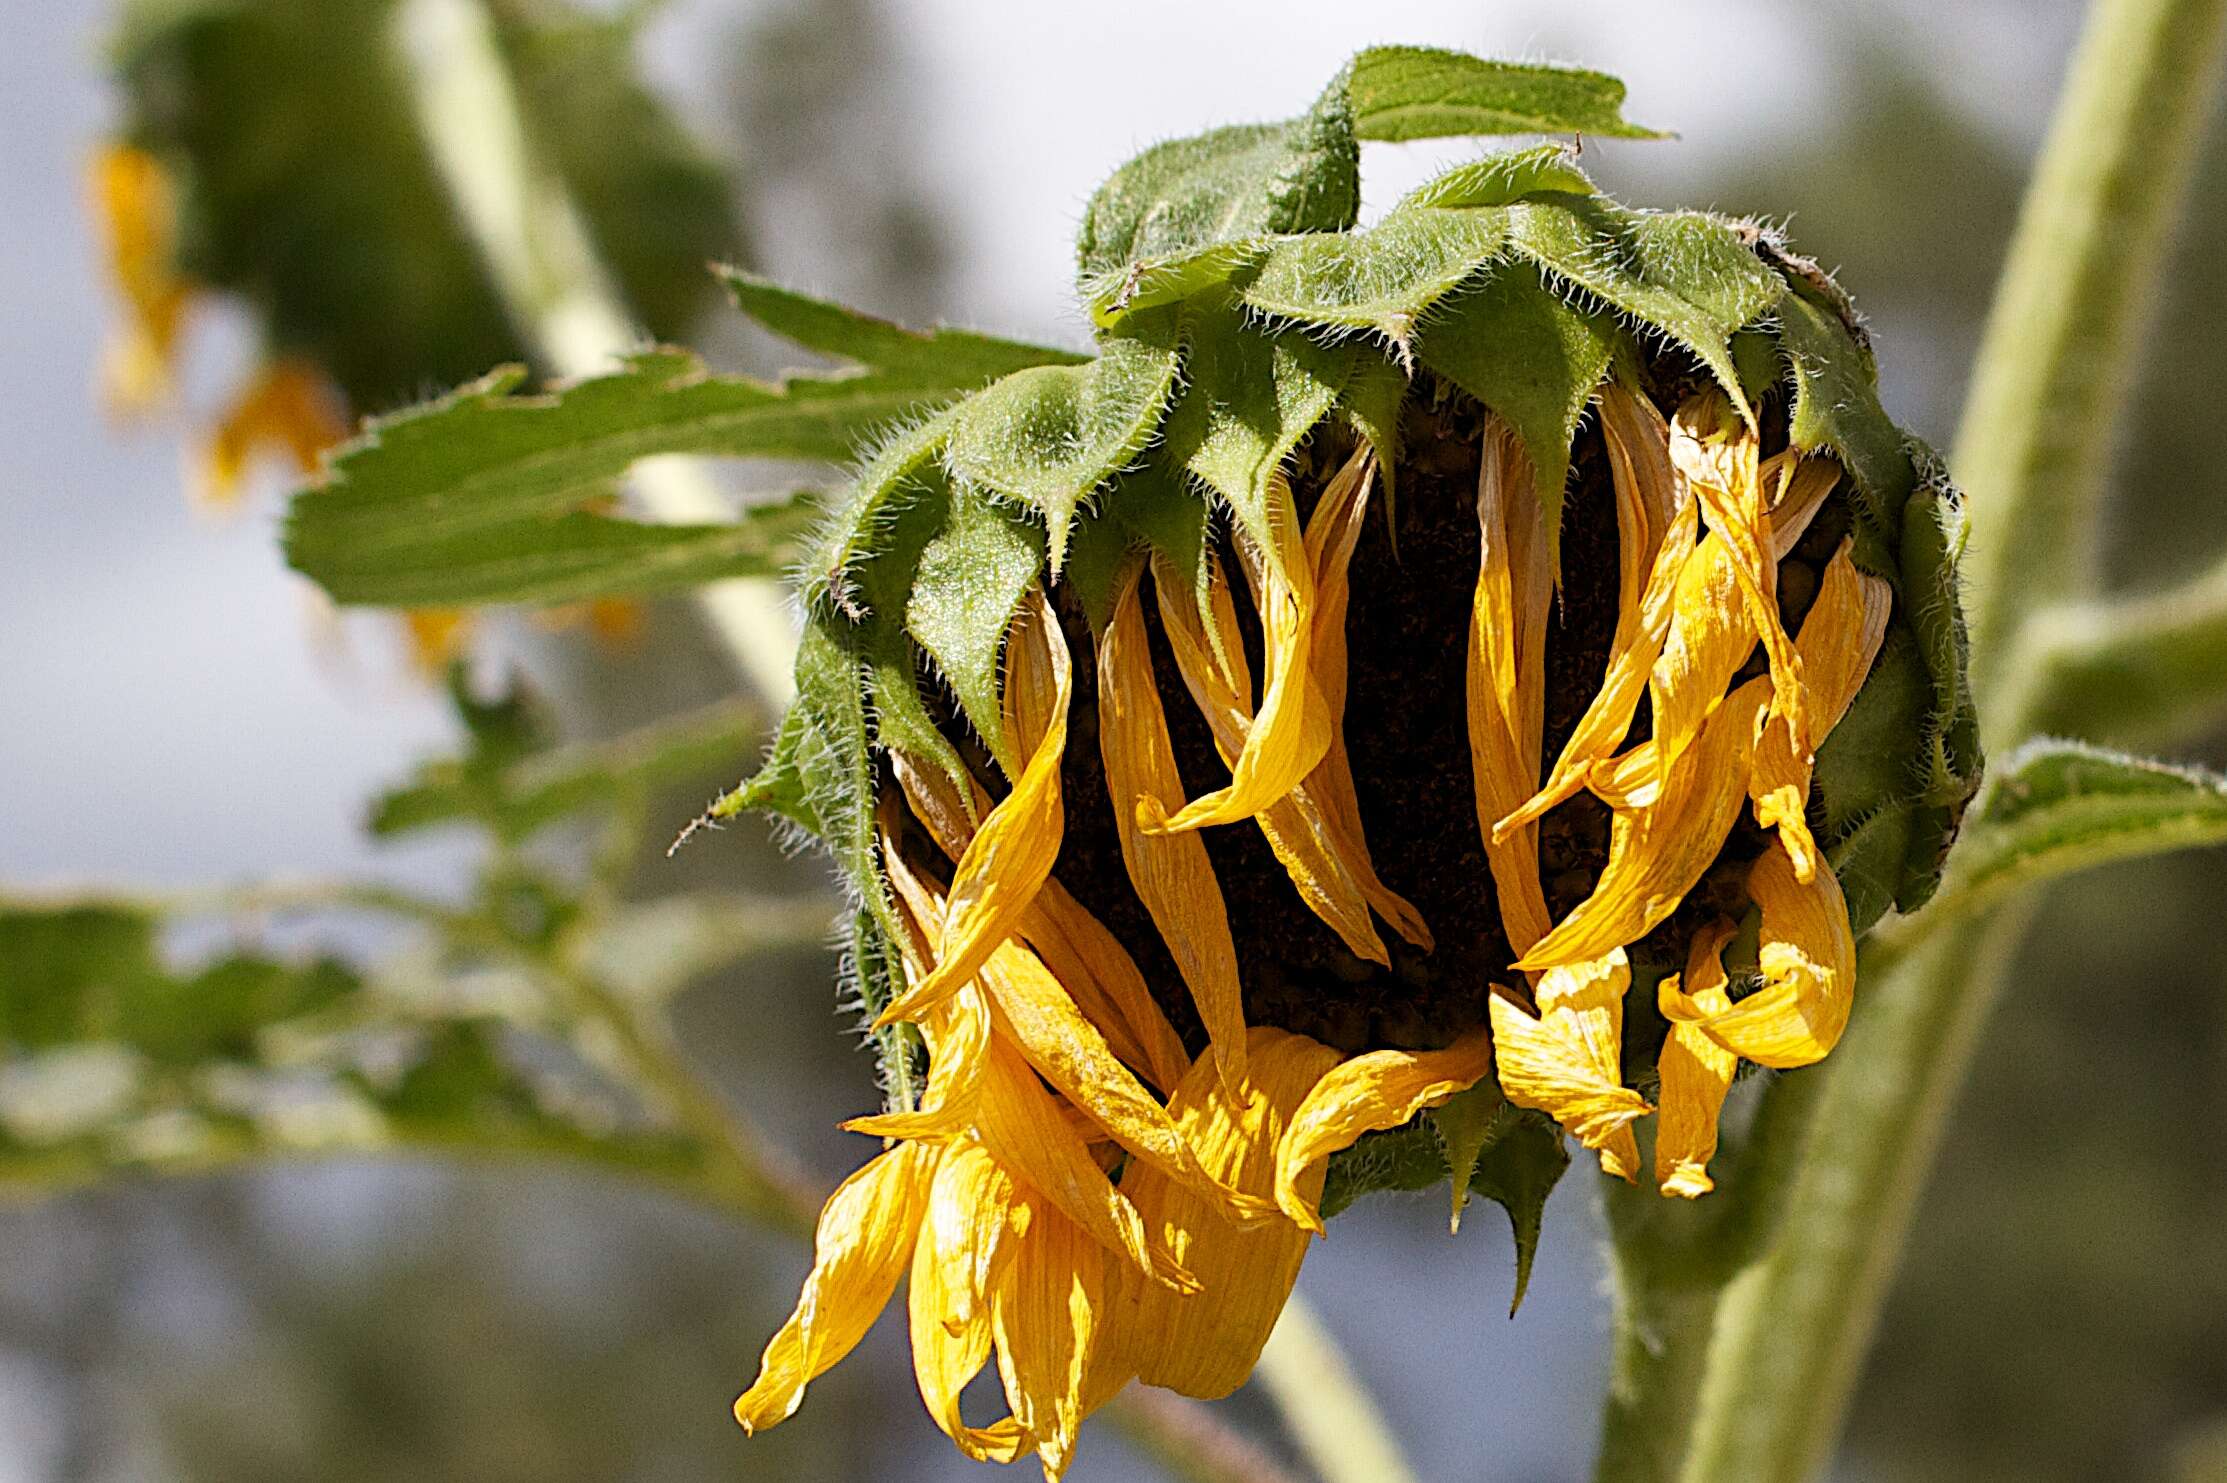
[(306, 190)]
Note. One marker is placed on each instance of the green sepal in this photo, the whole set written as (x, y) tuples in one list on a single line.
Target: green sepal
[(1159, 507), (1050, 437), (1868, 861), (972, 577), (1950, 763), (1519, 1162), (1382, 279), (1502, 180), (1103, 549), (951, 359), (1372, 397), (1684, 274), (888, 481), (781, 785), (1534, 358), (1836, 408), (871, 970), (1247, 400), (1866, 762)]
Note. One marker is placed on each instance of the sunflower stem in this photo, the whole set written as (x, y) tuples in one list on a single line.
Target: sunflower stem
[(2057, 360), (2149, 668), (544, 265)]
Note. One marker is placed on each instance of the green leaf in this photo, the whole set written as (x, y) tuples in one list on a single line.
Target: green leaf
[(951, 359), (1684, 274), (2060, 806), (518, 796), (568, 558), (972, 578), (1303, 175), (1420, 92), (1248, 399), (306, 190), (1048, 438), (483, 460), (1531, 357)]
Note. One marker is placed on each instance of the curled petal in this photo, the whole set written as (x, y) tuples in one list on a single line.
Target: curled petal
[(1381, 1089), (864, 1242), (1205, 1345), (1567, 1061), (1010, 856), (1047, 1316), (1840, 639), (1696, 1072), (1657, 851), (1506, 674), (1292, 730), (1212, 663), (1809, 970), (1717, 454), (1171, 872), (962, 1244)]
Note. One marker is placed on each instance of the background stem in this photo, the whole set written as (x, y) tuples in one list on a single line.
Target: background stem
[(2057, 361)]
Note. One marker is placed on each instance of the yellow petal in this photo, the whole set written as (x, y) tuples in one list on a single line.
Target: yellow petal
[(1205, 1345), (1381, 1089), (1332, 533), (1568, 1061), (1007, 861), (1506, 674), (1840, 639), (1292, 730), (436, 636), (1809, 970), (137, 210), (961, 1243), (1696, 1072), (1047, 1313), (864, 1243), (957, 1028), (1658, 851), (1171, 872), (289, 408), (1716, 452), (1294, 827), (1088, 961)]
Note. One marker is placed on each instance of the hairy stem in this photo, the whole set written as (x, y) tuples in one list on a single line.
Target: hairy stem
[(539, 254), (2058, 361), (2139, 669)]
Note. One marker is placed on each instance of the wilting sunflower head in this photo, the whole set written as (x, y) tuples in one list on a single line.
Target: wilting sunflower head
[(1493, 662)]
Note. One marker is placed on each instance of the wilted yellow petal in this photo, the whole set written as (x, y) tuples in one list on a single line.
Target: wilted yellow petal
[(1696, 1072), (1007, 861), (1381, 1089), (1809, 970), (1171, 872), (1212, 663), (435, 637), (1657, 852), (1205, 1345), (138, 212), (957, 1028), (1332, 533), (1292, 730), (1840, 638), (1716, 452), (1089, 962), (1568, 1061), (864, 1244), (1507, 674), (1047, 1313), (288, 408), (960, 1244)]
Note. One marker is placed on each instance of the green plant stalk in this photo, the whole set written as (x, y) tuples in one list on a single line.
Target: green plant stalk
[(2057, 361), (2128, 670), (543, 263), (539, 254)]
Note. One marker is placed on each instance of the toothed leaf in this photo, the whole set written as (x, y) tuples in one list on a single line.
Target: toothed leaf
[(951, 359)]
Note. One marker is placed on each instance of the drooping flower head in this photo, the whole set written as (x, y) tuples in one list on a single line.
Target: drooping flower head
[(1492, 663)]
